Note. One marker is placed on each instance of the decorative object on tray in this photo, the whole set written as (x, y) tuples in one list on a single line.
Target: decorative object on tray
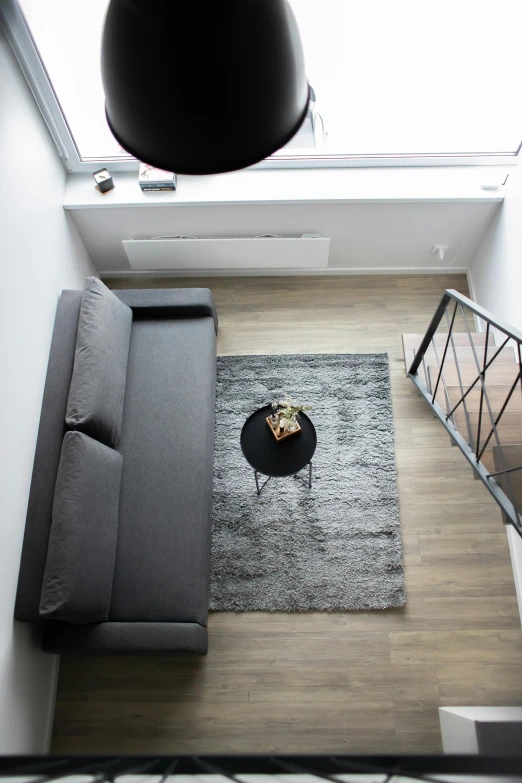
[(103, 180), (156, 179), (279, 431), (286, 411)]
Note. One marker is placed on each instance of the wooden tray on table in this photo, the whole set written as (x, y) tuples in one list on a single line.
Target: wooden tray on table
[(280, 434)]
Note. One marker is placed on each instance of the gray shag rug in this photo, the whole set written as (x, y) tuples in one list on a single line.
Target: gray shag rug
[(334, 546)]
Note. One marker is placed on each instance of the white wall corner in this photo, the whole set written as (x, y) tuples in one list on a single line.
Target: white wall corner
[(458, 730), (471, 284)]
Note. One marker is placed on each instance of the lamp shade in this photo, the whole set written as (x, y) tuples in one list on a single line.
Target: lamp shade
[(203, 86)]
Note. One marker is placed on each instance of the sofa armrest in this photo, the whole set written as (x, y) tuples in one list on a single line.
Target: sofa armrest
[(173, 302)]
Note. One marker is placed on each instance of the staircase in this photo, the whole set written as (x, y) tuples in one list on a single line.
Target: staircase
[(472, 380)]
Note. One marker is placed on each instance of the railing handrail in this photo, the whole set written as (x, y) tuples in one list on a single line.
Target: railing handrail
[(451, 295)]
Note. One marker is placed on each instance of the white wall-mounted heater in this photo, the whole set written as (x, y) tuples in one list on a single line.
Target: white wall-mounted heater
[(310, 252)]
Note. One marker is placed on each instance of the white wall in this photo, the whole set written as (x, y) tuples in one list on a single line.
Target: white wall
[(364, 237), (485, 730), (377, 219), (496, 271), (496, 284), (41, 253)]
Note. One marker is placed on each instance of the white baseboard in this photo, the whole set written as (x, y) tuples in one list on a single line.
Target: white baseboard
[(396, 270)]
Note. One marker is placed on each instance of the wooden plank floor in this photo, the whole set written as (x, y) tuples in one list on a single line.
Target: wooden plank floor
[(349, 681)]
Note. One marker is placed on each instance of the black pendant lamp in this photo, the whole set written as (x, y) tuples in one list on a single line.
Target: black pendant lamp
[(203, 86)]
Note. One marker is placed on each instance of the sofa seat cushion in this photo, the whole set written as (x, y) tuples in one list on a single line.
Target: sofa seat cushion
[(97, 392), (134, 638), (79, 570), (163, 553)]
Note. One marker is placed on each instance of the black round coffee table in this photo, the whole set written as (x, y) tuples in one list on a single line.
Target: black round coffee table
[(277, 458)]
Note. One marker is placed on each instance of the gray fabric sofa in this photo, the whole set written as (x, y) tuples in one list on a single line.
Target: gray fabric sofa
[(160, 581)]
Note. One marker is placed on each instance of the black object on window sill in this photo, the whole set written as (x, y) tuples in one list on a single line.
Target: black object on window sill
[(103, 180)]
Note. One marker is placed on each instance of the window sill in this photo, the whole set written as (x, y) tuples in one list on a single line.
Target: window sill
[(284, 186)]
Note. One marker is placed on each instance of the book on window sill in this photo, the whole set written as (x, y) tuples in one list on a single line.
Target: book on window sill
[(146, 188), (151, 178)]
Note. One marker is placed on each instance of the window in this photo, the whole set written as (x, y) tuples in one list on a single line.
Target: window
[(414, 77), (410, 79), (67, 34)]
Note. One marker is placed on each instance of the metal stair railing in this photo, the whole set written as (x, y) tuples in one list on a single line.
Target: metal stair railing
[(474, 447)]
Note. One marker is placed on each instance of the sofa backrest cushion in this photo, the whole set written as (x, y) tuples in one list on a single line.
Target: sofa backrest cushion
[(97, 391), (78, 576)]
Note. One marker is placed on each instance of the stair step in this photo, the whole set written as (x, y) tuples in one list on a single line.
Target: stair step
[(509, 431), (497, 395), (509, 427), (448, 397), (460, 338), (497, 374), (488, 459), (411, 343), (512, 456), (465, 355)]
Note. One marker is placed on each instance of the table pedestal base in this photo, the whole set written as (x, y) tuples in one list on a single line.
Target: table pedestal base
[(307, 482)]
